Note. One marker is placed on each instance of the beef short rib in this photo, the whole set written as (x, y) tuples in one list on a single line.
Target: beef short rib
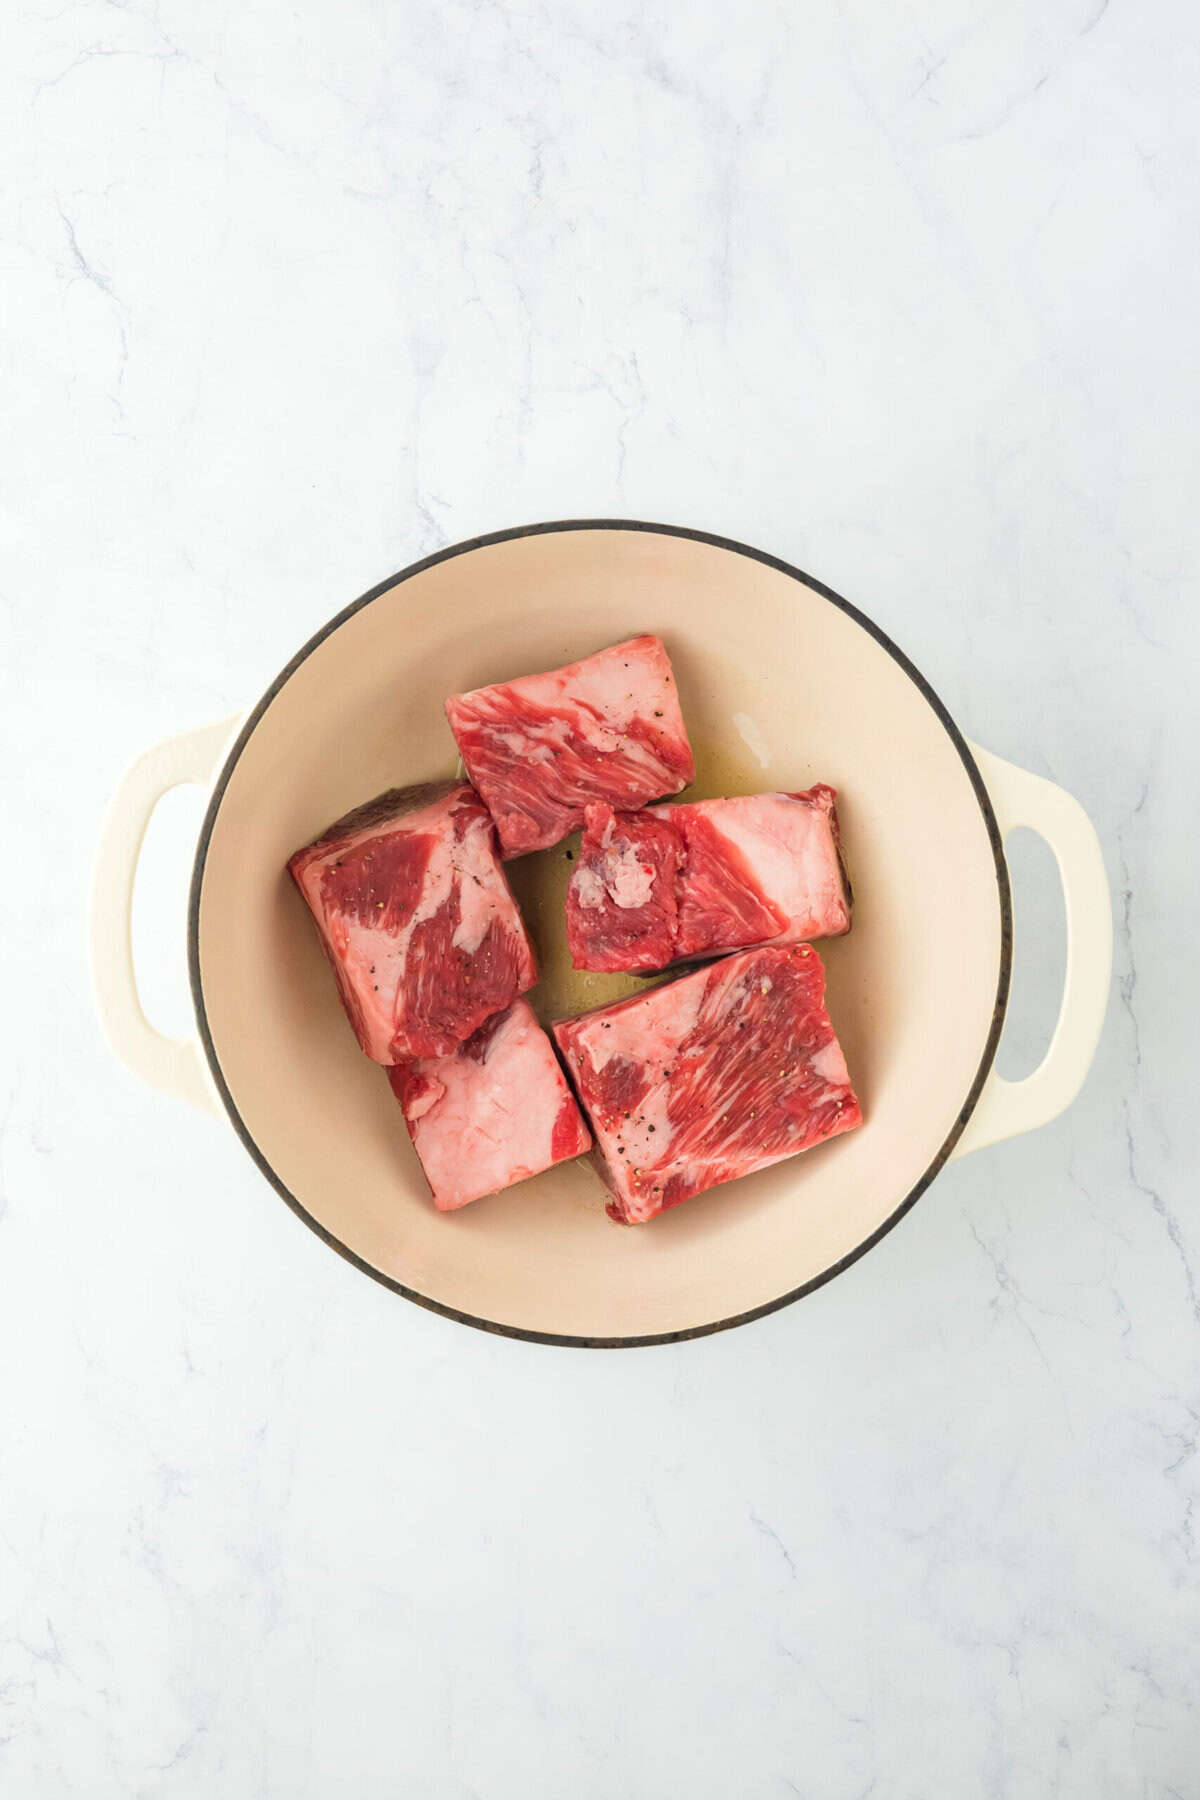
[(494, 1111), (543, 747), (697, 1081), (417, 919), (705, 877)]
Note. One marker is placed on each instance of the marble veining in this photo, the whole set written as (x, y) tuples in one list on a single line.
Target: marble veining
[(906, 296)]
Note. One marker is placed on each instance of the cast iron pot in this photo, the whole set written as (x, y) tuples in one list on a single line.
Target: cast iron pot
[(783, 683)]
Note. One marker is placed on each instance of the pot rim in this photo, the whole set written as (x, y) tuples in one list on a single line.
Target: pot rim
[(981, 794)]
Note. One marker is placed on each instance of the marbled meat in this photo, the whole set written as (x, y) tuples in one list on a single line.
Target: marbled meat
[(494, 1111), (417, 919), (697, 1081), (542, 748), (705, 877)]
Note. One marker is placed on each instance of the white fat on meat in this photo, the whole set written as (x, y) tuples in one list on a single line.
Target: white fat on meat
[(650, 1036), (379, 959), (830, 1064), (479, 903), (611, 684), (790, 849), (625, 880), (479, 1125)]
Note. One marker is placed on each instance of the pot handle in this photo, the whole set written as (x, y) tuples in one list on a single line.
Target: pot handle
[(173, 1065), (1007, 1108)]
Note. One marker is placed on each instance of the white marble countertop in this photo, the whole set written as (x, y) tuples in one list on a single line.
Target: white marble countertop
[(907, 296)]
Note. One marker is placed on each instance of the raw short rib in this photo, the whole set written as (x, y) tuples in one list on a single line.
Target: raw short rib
[(493, 1112), (705, 877), (709, 1077), (541, 748), (417, 919)]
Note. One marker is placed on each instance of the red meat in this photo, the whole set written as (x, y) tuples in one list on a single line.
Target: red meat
[(621, 905), (712, 876), (700, 1080), (493, 1112), (417, 919), (542, 748)]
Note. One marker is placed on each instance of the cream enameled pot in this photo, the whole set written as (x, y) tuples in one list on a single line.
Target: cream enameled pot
[(783, 684)]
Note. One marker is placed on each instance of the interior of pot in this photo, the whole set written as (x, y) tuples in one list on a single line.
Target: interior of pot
[(781, 687)]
